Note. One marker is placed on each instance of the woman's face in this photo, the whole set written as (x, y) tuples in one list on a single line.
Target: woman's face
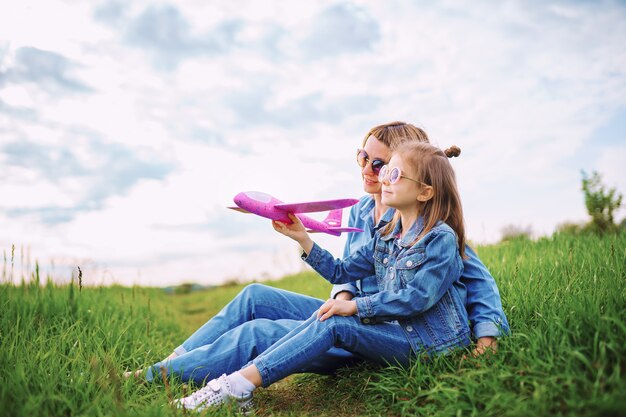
[(374, 150)]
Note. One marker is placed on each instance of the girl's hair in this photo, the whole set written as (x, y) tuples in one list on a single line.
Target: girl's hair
[(394, 133), (430, 165)]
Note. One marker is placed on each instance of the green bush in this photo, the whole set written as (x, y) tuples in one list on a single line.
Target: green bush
[(600, 202)]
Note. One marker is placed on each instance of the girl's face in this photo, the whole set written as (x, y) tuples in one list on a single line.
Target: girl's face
[(405, 192), (374, 149)]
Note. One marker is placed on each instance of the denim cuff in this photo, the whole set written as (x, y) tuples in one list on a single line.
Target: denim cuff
[(314, 256), (180, 350), (149, 376), (263, 371), (341, 288), (364, 310), (487, 329), (154, 372)]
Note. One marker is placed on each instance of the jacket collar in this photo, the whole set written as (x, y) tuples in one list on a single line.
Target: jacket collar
[(367, 210), (386, 218), (409, 236), (367, 214)]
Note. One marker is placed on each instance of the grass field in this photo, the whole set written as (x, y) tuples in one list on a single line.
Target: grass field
[(63, 348)]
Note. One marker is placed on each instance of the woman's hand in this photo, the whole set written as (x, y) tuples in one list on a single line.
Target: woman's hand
[(336, 307), (296, 231), (484, 345)]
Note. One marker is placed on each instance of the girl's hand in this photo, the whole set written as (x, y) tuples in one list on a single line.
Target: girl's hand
[(344, 295), (296, 231), (336, 307)]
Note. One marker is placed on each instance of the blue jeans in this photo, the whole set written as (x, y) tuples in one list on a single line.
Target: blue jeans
[(257, 318), (382, 342)]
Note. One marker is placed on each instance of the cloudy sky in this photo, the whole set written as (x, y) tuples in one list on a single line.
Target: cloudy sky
[(127, 127)]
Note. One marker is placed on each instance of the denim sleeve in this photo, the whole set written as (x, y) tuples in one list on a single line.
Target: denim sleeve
[(347, 250), (441, 268), (337, 288), (337, 271), (484, 306)]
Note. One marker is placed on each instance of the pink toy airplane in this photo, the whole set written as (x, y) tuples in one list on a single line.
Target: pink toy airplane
[(267, 206)]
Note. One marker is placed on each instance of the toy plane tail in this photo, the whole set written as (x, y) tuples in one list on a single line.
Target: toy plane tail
[(333, 221), (334, 218)]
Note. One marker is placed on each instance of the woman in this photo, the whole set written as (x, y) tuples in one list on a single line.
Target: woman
[(259, 315), (484, 306)]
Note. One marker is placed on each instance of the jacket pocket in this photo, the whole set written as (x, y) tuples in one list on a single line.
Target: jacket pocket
[(407, 264)]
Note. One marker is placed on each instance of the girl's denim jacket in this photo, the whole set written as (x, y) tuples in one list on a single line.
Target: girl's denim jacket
[(418, 285), (483, 304)]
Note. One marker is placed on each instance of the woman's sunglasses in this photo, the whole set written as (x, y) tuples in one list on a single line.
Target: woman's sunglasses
[(362, 158), (394, 175)]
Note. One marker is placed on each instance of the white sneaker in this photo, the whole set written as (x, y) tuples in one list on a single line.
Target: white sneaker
[(216, 392)]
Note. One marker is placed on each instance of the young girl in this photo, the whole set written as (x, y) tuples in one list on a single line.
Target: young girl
[(419, 307)]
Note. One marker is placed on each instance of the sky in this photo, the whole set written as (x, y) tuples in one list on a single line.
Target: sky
[(126, 128)]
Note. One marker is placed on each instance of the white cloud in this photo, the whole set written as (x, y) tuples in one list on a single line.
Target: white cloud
[(520, 88)]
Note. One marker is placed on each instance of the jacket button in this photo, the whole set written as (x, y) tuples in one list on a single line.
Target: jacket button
[(409, 328), (366, 321), (385, 260), (409, 263)]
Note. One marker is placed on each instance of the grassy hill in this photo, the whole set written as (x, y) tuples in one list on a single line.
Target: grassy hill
[(62, 349)]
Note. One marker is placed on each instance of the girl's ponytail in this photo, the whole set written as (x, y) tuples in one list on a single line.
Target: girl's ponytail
[(452, 151)]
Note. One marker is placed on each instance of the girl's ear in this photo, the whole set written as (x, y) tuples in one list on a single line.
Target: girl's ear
[(426, 193)]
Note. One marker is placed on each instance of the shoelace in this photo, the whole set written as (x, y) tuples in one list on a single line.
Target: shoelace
[(205, 392)]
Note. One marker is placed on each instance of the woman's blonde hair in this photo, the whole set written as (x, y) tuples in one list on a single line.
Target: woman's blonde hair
[(429, 165), (393, 134)]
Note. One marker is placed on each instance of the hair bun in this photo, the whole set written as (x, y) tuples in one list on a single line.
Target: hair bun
[(452, 151)]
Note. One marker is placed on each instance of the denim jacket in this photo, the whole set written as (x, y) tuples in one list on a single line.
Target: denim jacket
[(418, 285), (484, 306)]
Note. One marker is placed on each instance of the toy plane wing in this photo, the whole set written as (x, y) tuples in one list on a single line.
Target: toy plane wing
[(313, 206), (337, 230)]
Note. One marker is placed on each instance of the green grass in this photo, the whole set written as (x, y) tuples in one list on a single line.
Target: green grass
[(62, 349), (565, 298)]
